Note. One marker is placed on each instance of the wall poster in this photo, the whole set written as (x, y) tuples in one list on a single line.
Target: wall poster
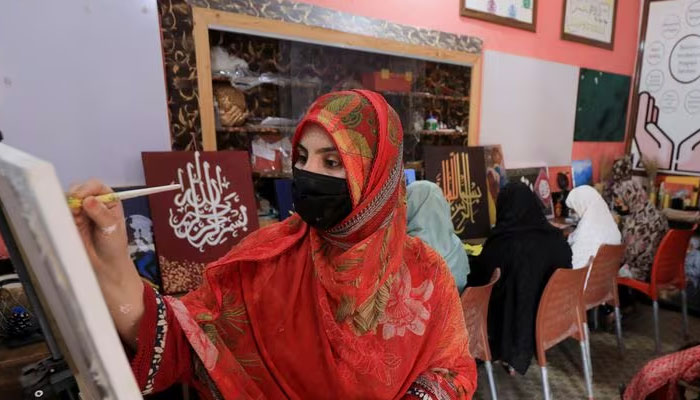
[(666, 111), (516, 13), (590, 22)]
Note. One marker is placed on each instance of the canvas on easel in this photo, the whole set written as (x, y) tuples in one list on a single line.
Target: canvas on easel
[(537, 180), (48, 245)]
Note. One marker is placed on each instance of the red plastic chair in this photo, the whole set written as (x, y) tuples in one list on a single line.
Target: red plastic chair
[(560, 315), (602, 284), (475, 305), (667, 272)]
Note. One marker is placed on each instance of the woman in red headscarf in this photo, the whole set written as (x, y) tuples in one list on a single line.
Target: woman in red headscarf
[(335, 302)]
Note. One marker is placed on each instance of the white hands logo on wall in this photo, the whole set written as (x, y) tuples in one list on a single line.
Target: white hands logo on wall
[(205, 212)]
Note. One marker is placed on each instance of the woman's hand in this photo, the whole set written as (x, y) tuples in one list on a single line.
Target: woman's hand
[(103, 232)]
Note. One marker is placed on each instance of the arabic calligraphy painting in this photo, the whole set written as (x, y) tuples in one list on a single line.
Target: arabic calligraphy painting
[(496, 177), (213, 211), (461, 173), (139, 230), (537, 179)]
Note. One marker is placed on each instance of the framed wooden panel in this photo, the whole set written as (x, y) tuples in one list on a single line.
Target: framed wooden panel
[(503, 12)]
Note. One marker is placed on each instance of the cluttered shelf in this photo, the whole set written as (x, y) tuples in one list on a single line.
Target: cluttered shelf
[(426, 95), (250, 82), (441, 132), (256, 129)]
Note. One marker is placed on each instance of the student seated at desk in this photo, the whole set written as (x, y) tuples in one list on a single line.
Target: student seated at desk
[(430, 218), (527, 249), (643, 227), (336, 302), (596, 225)]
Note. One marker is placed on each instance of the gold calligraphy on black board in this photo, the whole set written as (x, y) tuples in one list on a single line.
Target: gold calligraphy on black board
[(461, 173), (460, 190)]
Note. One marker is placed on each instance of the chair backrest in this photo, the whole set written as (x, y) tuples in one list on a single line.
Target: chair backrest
[(602, 281), (561, 312), (669, 263), (475, 305)]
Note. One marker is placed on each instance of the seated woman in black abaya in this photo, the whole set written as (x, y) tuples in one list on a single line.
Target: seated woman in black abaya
[(527, 249)]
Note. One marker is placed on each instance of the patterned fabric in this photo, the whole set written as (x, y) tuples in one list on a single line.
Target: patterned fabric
[(661, 375), (642, 229), (370, 308), (621, 171), (159, 345)]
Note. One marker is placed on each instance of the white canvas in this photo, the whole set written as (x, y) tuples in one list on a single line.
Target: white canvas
[(43, 228), (528, 106)]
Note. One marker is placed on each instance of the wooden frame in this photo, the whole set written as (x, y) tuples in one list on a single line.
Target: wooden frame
[(204, 19), (497, 19), (591, 42)]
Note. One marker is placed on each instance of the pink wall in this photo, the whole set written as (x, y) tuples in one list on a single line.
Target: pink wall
[(545, 44)]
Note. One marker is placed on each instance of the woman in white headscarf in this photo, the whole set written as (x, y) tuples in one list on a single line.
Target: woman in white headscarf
[(430, 219), (596, 225)]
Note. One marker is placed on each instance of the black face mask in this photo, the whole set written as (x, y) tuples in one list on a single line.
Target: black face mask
[(322, 201), (622, 211)]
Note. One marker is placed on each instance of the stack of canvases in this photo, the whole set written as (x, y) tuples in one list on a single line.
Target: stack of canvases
[(213, 210)]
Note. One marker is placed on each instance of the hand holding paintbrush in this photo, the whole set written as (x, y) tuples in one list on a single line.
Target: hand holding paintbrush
[(99, 217), (75, 202)]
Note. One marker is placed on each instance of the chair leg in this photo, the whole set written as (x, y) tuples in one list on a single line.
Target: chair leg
[(492, 383), (657, 338), (588, 349), (595, 319), (684, 306), (618, 331), (586, 369), (545, 384)]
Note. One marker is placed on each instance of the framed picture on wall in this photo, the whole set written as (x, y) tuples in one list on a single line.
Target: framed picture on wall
[(515, 13), (590, 22)]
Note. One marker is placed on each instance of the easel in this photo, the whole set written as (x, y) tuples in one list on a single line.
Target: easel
[(49, 378)]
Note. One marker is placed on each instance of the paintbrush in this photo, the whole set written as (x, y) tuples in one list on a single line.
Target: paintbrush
[(128, 194)]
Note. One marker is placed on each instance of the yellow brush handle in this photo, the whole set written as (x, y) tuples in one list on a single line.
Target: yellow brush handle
[(103, 198)]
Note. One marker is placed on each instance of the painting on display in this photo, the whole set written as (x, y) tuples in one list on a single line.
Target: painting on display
[(139, 230), (198, 224), (590, 22), (516, 13), (461, 173), (496, 177), (561, 181), (601, 106), (537, 180), (666, 107), (583, 172)]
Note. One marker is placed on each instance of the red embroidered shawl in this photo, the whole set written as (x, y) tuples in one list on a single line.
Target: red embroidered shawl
[(361, 311)]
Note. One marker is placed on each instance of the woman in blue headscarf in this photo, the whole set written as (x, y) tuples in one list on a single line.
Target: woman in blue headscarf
[(430, 219)]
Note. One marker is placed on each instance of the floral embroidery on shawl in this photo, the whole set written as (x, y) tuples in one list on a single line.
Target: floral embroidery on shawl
[(202, 345), (406, 309)]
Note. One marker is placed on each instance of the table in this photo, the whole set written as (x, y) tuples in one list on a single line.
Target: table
[(11, 363)]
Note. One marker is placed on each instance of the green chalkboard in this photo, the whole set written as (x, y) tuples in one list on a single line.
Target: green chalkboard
[(601, 106)]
